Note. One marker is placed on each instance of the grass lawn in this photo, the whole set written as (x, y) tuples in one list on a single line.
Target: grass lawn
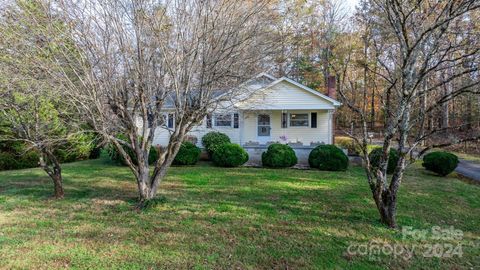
[(216, 218)]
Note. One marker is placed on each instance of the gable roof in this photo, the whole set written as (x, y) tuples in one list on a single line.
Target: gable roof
[(306, 88), (260, 82)]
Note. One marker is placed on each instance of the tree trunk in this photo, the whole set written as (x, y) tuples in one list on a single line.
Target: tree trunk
[(144, 190), (470, 113), (386, 205), (58, 186), (372, 112), (478, 116), (445, 107), (55, 173), (148, 183)]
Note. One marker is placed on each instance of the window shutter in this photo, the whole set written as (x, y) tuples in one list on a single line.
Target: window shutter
[(209, 121), (235, 120), (284, 120), (150, 120), (314, 119), (170, 120)]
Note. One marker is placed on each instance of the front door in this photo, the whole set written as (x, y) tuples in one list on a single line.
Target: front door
[(263, 128)]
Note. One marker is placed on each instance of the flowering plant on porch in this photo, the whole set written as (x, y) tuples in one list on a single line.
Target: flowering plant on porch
[(283, 138)]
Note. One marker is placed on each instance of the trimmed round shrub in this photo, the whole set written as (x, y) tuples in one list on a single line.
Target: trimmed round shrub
[(229, 155), (279, 156), (188, 154), (328, 158), (375, 155), (212, 140), (441, 163)]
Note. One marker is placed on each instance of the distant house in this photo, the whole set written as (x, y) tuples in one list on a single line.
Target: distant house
[(271, 110)]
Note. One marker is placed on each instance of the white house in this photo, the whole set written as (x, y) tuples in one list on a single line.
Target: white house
[(274, 110)]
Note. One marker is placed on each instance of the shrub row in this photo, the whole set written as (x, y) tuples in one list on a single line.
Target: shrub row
[(323, 157), (226, 154)]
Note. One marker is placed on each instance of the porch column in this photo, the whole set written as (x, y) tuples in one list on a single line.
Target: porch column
[(284, 129), (331, 126)]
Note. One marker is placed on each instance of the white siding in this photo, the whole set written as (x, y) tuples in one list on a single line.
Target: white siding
[(247, 130), (285, 95)]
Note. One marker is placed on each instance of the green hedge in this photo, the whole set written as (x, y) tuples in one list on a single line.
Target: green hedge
[(12, 161), (212, 140), (441, 163), (188, 154), (229, 155), (328, 158), (16, 155), (279, 156), (375, 155)]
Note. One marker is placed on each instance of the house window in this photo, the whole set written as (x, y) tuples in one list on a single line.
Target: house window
[(223, 120), (167, 120), (299, 119)]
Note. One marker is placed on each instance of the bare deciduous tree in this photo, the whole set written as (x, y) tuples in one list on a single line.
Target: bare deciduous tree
[(415, 41), (140, 58)]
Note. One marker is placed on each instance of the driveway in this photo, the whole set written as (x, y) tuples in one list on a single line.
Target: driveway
[(469, 169)]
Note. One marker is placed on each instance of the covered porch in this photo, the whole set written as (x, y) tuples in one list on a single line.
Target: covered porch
[(299, 128)]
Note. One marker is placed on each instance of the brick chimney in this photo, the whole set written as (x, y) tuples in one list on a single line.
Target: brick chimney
[(331, 87), (332, 92)]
